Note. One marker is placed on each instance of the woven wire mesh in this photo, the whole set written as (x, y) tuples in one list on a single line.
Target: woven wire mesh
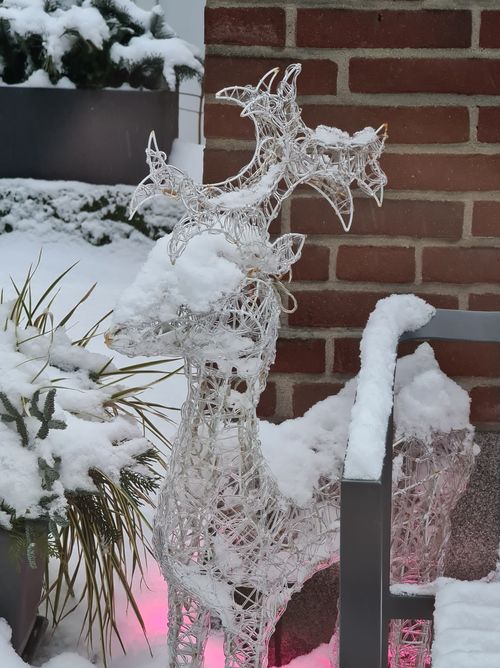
[(428, 481)]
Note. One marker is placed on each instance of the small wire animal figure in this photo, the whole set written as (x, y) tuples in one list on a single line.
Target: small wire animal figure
[(229, 543)]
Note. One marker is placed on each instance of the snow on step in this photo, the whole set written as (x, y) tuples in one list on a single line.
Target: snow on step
[(466, 625)]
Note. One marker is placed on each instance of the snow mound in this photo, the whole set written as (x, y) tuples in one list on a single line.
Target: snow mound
[(428, 402), (466, 625), (301, 451), (174, 51), (205, 272)]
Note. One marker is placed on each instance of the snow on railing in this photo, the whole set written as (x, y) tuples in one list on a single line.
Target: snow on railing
[(392, 317)]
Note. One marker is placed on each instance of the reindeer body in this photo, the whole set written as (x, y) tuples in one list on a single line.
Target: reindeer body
[(228, 541)]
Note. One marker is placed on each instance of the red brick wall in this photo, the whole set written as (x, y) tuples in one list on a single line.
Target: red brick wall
[(434, 76)]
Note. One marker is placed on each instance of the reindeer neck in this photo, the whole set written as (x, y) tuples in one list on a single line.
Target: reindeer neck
[(219, 413)]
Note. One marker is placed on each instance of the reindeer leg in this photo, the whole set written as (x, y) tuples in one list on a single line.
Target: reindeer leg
[(188, 626), (248, 648)]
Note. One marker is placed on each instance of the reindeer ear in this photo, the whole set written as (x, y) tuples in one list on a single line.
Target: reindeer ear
[(288, 85), (267, 80), (286, 251)]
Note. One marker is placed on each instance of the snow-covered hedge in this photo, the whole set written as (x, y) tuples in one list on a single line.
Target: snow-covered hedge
[(91, 44), (99, 214)]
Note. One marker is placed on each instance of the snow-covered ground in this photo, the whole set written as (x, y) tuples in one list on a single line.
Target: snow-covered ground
[(113, 267)]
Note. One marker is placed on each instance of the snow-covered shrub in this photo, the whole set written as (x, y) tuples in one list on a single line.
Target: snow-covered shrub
[(74, 457), (99, 214), (91, 44)]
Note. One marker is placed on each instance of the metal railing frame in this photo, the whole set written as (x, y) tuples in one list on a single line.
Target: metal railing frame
[(366, 603)]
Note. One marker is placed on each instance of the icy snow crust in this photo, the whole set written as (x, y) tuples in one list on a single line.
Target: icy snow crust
[(392, 317), (335, 137), (466, 625), (93, 439)]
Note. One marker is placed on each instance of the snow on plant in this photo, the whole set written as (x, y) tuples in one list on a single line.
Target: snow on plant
[(72, 434), (74, 457), (91, 44)]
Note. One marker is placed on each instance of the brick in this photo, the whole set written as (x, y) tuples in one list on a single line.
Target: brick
[(489, 35), (333, 308), (465, 358), (466, 76), (306, 395), (245, 26), (313, 265), (318, 77), (267, 403), (346, 356), (484, 302), (488, 127), (275, 226), (407, 125), (461, 265), (486, 219), (442, 172), (300, 356), (418, 219), (438, 300), (352, 29), (382, 264), (219, 164), (485, 404), (224, 120)]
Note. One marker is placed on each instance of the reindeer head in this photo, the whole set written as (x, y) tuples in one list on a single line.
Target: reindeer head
[(216, 290), (233, 218)]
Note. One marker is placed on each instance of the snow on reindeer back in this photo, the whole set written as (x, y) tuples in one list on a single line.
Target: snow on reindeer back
[(335, 137), (301, 451), (304, 450)]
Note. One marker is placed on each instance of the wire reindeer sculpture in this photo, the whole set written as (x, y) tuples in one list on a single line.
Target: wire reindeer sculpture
[(229, 543)]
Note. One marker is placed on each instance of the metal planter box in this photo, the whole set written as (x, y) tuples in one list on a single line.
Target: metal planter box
[(97, 136), (20, 591)]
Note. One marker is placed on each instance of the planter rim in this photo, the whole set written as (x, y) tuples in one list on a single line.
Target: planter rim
[(88, 90)]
